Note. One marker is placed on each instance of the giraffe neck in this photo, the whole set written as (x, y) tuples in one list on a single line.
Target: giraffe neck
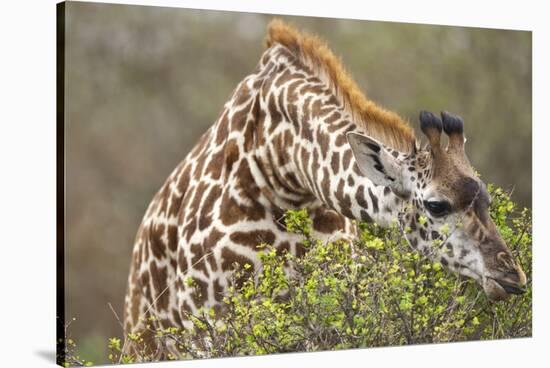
[(306, 158)]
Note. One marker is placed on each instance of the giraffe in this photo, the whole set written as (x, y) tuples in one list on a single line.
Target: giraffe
[(298, 133)]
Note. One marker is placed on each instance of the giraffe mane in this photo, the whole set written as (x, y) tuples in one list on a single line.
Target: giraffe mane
[(379, 123)]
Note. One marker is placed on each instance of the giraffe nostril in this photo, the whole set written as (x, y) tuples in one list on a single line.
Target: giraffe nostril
[(505, 260), (509, 271)]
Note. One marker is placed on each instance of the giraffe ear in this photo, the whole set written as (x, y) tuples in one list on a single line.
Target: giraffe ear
[(377, 163)]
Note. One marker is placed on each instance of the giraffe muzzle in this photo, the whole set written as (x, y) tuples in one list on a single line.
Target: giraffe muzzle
[(502, 288)]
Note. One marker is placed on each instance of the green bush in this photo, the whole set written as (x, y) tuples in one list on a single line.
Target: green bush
[(67, 350), (379, 293)]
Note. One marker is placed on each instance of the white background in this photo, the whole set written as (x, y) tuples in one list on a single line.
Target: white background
[(27, 180)]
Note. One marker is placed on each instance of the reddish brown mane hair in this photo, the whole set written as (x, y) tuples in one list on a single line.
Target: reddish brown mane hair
[(379, 123)]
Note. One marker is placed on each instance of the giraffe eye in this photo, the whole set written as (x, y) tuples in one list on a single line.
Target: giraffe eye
[(438, 208)]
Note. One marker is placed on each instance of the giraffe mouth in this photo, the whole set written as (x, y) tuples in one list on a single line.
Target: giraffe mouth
[(497, 290), (511, 288)]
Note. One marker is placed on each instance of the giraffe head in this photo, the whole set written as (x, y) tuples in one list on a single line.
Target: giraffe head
[(445, 205)]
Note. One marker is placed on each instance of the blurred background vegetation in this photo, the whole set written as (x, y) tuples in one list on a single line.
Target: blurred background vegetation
[(144, 82)]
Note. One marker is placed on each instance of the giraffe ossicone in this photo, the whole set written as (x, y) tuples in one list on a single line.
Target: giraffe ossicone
[(298, 133)]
